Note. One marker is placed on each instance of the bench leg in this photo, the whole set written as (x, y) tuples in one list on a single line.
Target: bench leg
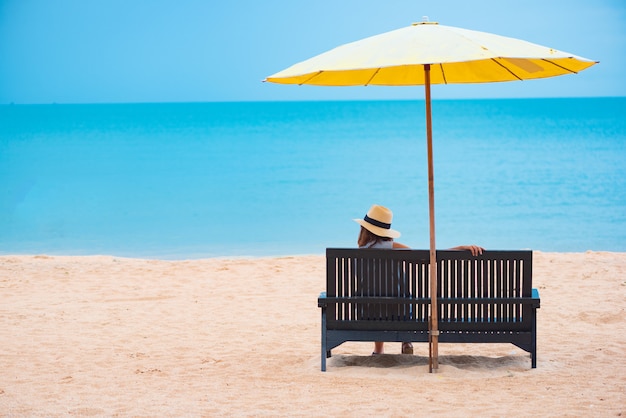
[(533, 353), (325, 353)]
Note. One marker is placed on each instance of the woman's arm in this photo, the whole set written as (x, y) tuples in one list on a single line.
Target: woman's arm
[(474, 249)]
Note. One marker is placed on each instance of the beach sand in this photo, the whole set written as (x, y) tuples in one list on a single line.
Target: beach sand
[(109, 336)]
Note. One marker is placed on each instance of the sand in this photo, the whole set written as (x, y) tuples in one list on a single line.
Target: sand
[(109, 336)]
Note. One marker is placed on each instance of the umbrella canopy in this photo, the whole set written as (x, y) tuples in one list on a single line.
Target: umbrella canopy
[(428, 53), (456, 55)]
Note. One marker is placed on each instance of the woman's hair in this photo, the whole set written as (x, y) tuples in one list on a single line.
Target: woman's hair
[(365, 237)]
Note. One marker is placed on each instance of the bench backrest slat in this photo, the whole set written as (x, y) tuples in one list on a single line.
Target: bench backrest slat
[(394, 274), (502, 275)]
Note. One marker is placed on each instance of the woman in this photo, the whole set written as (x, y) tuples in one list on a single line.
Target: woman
[(376, 232)]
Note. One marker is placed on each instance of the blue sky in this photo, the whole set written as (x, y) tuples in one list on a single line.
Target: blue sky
[(95, 51)]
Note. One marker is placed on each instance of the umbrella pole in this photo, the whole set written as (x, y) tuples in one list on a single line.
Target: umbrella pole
[(433, 363)]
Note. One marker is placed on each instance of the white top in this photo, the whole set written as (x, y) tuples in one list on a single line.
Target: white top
[(386, 245)]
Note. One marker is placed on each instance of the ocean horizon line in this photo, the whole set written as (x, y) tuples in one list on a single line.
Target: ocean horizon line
[(416, 99)]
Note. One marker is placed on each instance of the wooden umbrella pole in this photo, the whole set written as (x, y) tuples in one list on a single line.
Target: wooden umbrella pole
[(434, 329)]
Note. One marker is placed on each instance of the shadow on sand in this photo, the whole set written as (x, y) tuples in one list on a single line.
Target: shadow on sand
[(463, 362)]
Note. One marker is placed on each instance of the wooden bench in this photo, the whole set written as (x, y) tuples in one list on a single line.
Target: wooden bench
[(384, 295)]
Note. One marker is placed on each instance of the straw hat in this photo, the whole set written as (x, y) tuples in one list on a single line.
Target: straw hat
[(378, 222)]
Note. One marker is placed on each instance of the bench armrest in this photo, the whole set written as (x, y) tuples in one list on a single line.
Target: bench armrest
[(536, 297), (321, 301)]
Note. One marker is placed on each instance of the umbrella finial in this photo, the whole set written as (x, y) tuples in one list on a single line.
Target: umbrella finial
[(425, 21)]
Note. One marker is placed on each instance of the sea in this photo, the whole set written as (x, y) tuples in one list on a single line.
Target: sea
[(238, 179)]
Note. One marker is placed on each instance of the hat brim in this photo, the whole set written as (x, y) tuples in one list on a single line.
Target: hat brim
[(377, 230)]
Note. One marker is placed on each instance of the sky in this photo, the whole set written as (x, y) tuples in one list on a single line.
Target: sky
[(119, 51)]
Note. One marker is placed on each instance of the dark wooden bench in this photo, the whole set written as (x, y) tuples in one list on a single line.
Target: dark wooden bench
[(384, 295)]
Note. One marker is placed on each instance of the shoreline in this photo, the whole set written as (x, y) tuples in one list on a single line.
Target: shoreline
[(114, 336), (260, 257)]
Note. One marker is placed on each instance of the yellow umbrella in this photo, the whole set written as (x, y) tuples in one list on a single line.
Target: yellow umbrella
[(397, 58), (428, 53)]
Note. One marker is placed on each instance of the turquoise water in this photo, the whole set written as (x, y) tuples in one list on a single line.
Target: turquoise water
[(269, 178)]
